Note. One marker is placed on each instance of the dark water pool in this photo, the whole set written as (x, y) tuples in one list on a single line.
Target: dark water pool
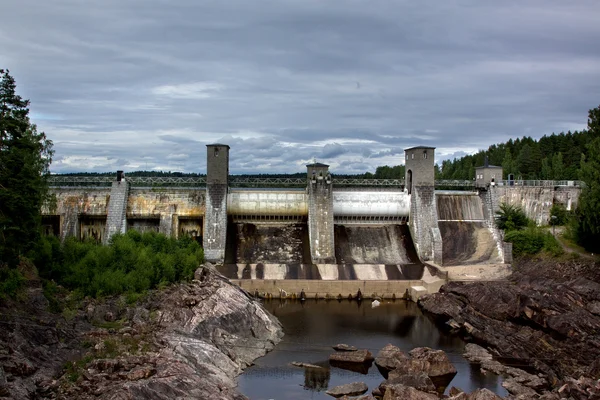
[(312, 327)]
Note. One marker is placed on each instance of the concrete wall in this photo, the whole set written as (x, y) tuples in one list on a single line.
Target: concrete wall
[(423, 222), (169, 206), (568, 196), (70, 203), (215, 219), (116, 210), (271, 203), (535, 201), (370, 203), (320, 215)]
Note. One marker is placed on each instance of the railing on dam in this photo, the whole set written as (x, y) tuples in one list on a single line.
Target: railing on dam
[(106, 181), (248, 182), (541, 183)]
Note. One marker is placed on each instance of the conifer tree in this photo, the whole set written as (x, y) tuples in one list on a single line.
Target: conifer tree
[(25, 156), (589, 202)]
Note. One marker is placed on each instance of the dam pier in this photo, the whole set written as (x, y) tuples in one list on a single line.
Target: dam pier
[(323, 235)]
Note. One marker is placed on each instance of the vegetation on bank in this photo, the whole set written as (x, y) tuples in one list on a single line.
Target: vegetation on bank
[(525, 236), (132, 263)]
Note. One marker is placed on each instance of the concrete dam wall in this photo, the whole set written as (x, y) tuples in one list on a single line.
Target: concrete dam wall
[(467, 236), (388, 244)]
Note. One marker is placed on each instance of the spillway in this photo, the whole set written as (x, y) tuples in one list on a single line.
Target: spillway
[(466, 235), (388, 244), (267, 243)]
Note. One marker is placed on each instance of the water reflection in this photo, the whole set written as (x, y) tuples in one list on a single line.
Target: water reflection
[(313, 327)]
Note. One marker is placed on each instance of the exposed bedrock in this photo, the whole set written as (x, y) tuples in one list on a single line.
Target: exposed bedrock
[(187, 341), (543, 316)]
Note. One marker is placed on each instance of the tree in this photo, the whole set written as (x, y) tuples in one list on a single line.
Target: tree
[(509, 217), (25, 156), (588, 211)]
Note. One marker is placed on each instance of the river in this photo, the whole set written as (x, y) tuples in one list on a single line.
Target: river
[(313, 327)]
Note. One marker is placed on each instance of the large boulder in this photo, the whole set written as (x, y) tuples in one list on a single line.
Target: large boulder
[(389, 358), (358, 356), (418, 381), (350, 389), (401, 392), (440, 370), (486, 394)]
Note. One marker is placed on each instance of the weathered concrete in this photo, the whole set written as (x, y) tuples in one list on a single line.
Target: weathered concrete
[(265, 203), (320, 214), (275, 283), (215, 219), (116, 210)]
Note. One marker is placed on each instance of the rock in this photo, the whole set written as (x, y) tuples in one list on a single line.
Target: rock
[(350, 389), (358, 356), (305, 365), (141, 373), (344, 347), (419, 381), (401, 392), (483, 394), (387, 359), (517, 389), (594, 307), (365, 397), (476, 354), (454, 391), (545, 311), (186, 352), (441, 371)]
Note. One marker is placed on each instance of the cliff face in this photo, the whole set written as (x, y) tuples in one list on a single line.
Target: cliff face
[(190, 340), (546, 316)]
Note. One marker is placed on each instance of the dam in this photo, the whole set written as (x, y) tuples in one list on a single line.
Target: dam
[(318, 233)]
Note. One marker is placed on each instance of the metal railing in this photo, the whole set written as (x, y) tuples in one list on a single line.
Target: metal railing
[(103, 181), (454, 183), (236, 181), (261, 182), (541, 183)]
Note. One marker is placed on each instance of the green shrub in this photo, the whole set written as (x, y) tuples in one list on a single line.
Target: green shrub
[(559, 215), (532, 241), (510, 218), (132, 263), (11, 280)]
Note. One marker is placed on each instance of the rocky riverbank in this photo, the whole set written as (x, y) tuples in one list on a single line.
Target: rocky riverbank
[(545, 317), (189, 340)]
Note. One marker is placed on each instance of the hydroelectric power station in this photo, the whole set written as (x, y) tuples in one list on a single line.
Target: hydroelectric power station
[(330, 237)]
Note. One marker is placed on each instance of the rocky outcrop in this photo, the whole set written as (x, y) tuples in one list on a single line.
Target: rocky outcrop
[(349, 389), (189, 340), (543, 317)]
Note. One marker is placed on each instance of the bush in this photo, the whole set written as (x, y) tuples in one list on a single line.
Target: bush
[(510, 218), (559, 215), (532, 241), (11, 280), (132, 263)]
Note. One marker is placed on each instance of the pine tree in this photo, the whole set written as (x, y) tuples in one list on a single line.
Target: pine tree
[(589, 202), (25, 156)]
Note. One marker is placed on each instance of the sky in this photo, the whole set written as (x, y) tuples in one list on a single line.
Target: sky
[(146, 84)]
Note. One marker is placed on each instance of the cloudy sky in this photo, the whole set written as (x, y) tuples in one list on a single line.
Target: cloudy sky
[(146, 84)]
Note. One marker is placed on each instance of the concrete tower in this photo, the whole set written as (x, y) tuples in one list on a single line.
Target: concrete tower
[(320, 214), (420, 184), (215, 217)]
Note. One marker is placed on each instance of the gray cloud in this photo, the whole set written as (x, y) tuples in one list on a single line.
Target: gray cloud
[(126, 84)]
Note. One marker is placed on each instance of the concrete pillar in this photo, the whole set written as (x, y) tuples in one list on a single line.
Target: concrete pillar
[(320, 214), (117, 208), (215, 220), (423, 221)]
